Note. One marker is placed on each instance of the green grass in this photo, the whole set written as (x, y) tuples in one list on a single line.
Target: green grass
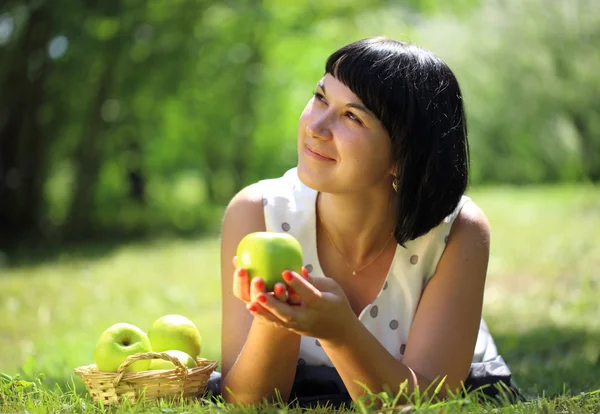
[(541, 304), (541, 299)]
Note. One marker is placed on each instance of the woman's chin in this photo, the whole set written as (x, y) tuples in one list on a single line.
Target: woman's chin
[(312, 178)]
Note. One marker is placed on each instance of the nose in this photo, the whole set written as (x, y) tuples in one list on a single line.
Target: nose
[(319, 127)]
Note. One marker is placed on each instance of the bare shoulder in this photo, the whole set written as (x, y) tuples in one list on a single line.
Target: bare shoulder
[(248, 197), (471, 224), (244, 214), (245, 210)]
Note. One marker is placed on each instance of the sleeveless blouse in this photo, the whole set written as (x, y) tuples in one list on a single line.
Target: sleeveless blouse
[(290, 207)]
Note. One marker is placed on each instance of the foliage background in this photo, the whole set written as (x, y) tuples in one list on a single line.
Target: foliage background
[(138, 120), (135, 117)]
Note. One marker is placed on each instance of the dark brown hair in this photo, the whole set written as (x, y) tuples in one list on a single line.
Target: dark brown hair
[(418, 100)]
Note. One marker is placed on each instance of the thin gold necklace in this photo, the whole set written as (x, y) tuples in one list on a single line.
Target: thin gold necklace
[(354, 271)]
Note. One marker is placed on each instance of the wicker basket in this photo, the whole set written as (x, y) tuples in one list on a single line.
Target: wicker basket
[(181, 382)]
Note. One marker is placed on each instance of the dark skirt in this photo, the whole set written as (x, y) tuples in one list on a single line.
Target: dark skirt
[(322, 385)]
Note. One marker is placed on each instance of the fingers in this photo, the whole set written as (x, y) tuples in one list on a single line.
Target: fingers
[(280, 292), (241, 287), (280, 310), (248, 289), (257, 310), (293, 297), (301, 286), (305, 273), (257, 286)]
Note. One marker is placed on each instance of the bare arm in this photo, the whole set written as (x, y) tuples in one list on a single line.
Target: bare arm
[(444, 331), (257, 357)]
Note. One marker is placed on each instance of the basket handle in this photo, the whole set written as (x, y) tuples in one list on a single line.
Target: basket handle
[(181, 369)]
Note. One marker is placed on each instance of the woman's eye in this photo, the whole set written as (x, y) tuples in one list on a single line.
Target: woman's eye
[(350, 115), (353, 117), (319, 97)]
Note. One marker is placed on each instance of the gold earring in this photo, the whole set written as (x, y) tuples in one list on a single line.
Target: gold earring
[(395, 184)]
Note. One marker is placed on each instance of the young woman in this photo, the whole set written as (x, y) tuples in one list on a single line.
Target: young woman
[(395, 254)]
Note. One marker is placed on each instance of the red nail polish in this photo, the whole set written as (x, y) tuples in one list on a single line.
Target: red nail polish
[(259, 284), (305, 272), (291, 291), (279, 290), (253, 308), (242, 273), (287, 275), (262, 298)]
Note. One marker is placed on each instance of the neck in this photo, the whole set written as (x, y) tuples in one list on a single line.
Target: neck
[(359, 225)]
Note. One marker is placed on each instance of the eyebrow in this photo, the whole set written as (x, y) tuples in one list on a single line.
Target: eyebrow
[(355, 105)]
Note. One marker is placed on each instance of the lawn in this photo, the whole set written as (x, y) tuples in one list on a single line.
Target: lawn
[(541, 300)]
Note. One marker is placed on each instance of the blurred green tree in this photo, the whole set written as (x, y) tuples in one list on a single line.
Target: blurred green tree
[(23, 141), (528, 70), (129, 116)]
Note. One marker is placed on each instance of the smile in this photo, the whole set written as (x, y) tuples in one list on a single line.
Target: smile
[(314, 154)]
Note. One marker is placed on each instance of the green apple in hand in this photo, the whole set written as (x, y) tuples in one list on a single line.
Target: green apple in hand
[(186, 360), (175, 332), (117, 343), (268, 254)]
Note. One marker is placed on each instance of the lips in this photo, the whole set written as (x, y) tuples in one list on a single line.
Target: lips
[(311, 149)]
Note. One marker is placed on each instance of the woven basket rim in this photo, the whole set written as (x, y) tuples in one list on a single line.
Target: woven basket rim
[(91, 372), (112, 387), (91, 369)]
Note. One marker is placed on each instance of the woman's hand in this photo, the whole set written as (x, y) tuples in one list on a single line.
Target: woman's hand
[(323, 312), (248, 291)]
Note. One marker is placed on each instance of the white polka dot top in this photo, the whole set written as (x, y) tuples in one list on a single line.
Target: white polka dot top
[(289, 206)]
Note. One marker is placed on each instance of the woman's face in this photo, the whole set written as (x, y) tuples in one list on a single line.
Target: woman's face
[(342, 146)]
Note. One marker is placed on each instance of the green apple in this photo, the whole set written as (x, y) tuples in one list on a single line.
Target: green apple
[(268, 254), (117, 343), (175, 332), (186, 360)]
